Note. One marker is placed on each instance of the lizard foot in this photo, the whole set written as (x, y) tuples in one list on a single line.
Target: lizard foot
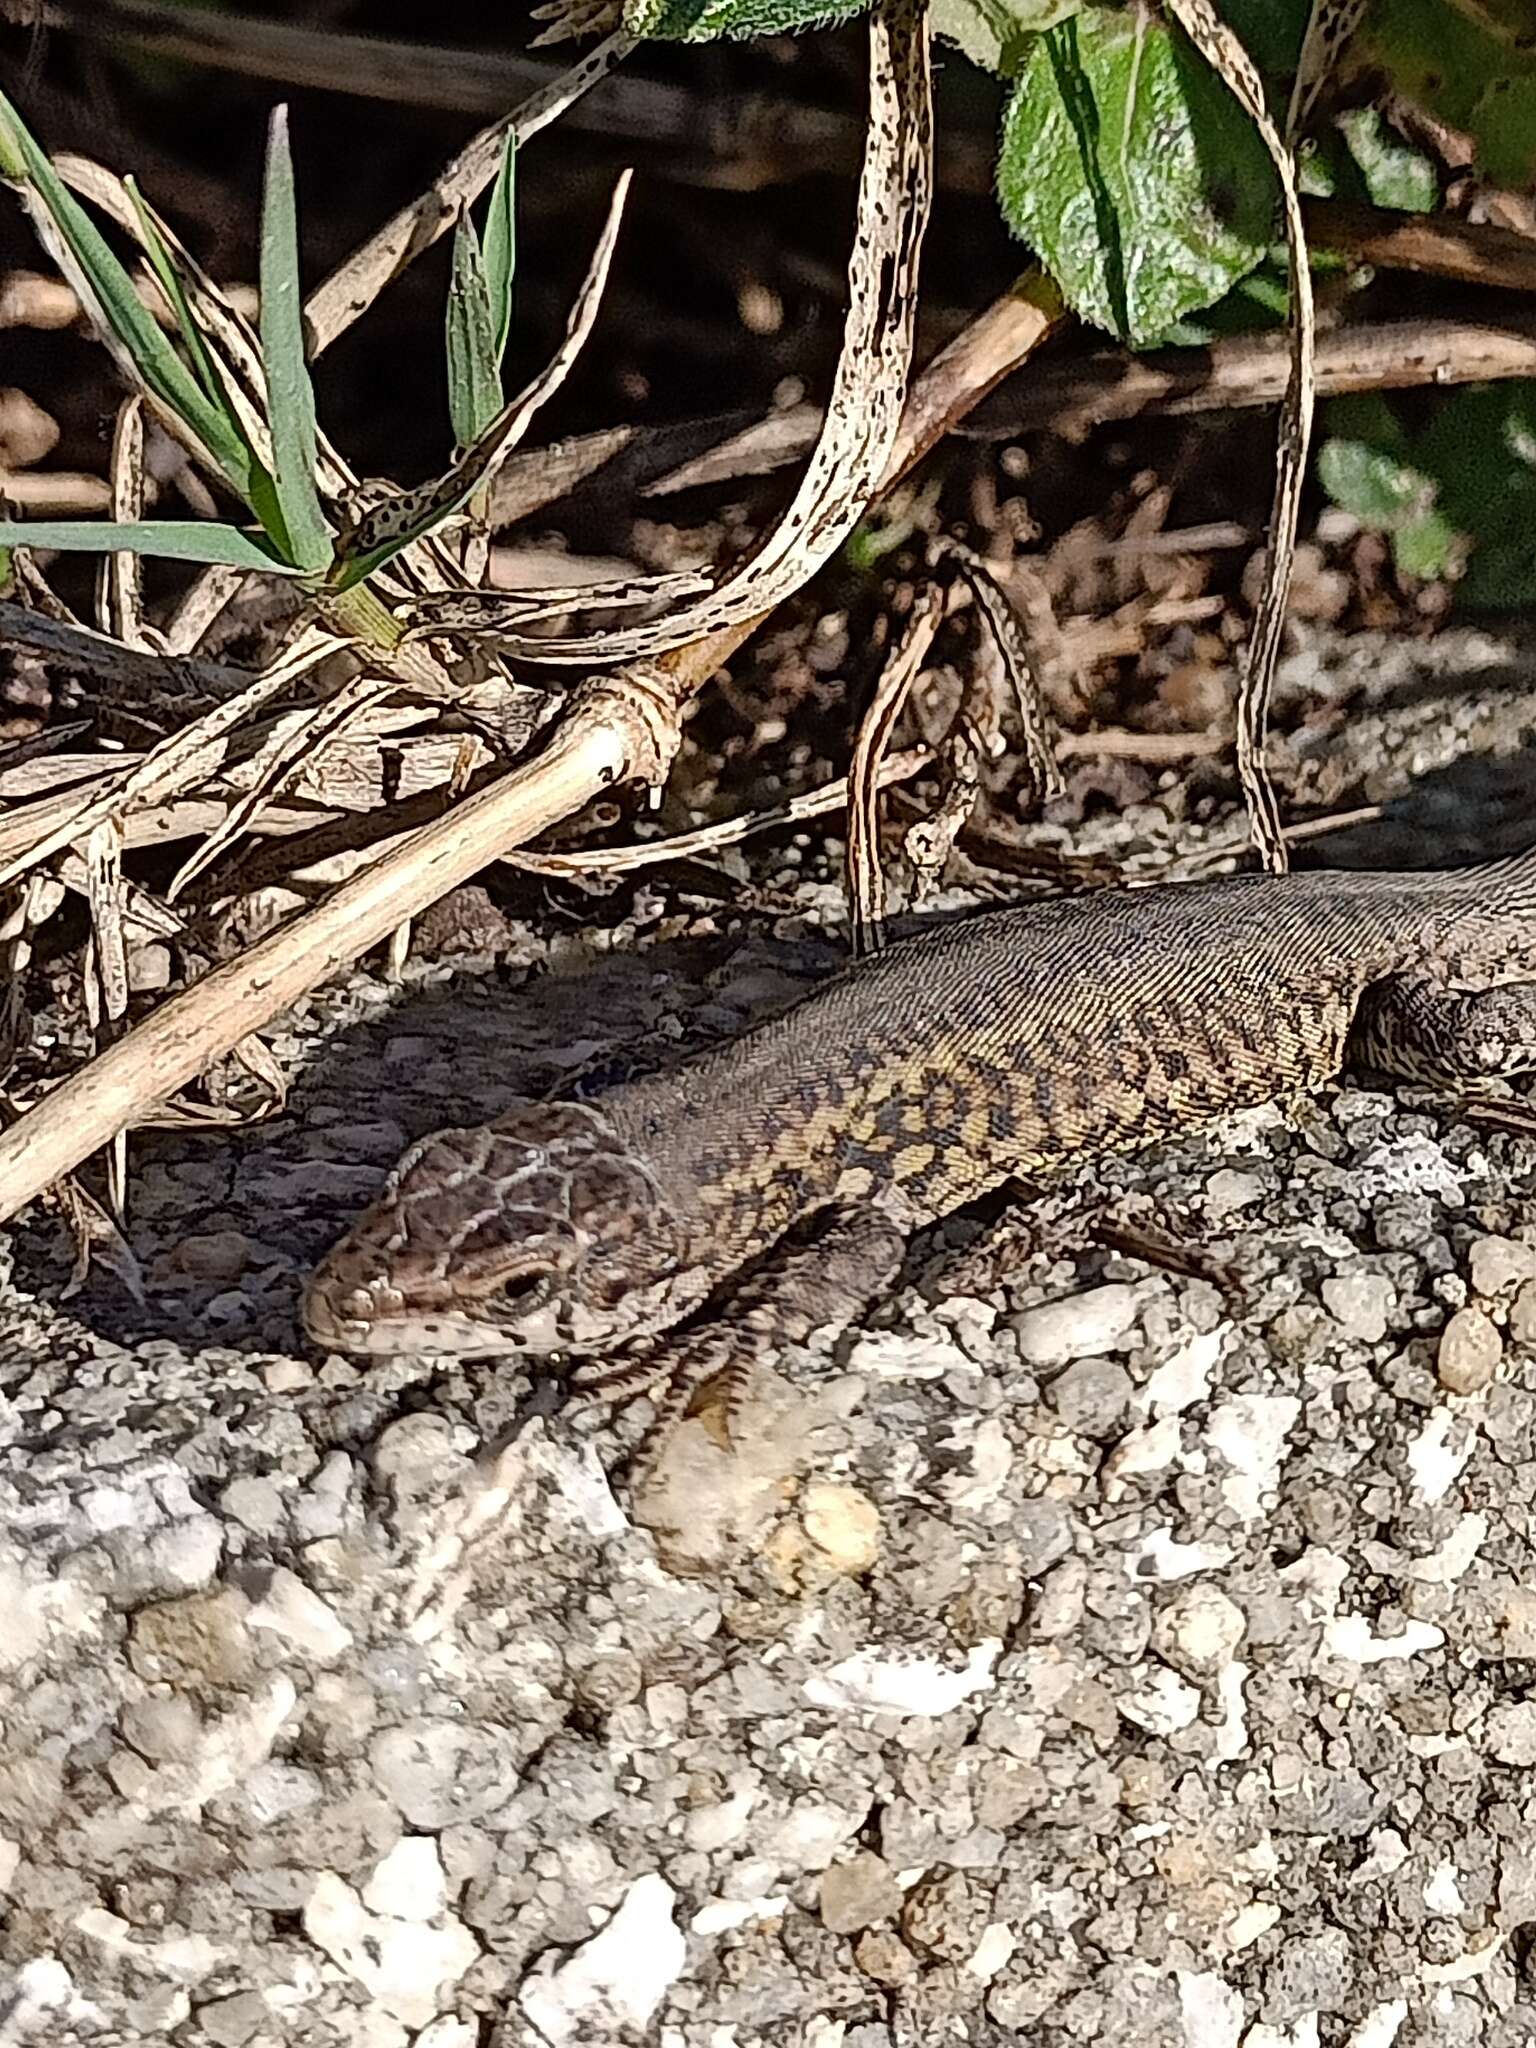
[(706, 1371)]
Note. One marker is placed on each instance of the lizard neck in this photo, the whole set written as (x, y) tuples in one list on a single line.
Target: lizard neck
[(743, 1145)]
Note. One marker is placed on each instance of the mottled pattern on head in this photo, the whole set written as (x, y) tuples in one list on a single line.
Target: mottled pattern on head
[(538, 1232)]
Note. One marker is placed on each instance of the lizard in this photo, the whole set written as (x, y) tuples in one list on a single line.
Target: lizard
[(648, 1235)]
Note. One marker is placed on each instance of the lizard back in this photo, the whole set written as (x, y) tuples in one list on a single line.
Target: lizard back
[(1008, 1041)]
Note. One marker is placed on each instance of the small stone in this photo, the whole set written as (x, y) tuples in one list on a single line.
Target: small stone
[(212, 1255), (438, 1771), (1078, 1326), (1517, 1887), (286, 1376), (409, 1883), (1511, 1732), (231, 2022), (1516, 1622), (1159, 1701), (1058, 1609), (613, 1983), (1501, 1262), (300, 1617), (1092, 1396), (844, 1524), (859, 1893), (1228, 1191), (611, 1680), (944, 1915), (273, 1791), (31, 1792), (1522, 1315), (883, 1957), (1198, 1631), (1042, 1530), (179, 1557), (199, 1640), (1361, 1303), (416, 1454), (1470, 1350), (149, 967), (163, 1727), (256, 1504), (410, 1970)]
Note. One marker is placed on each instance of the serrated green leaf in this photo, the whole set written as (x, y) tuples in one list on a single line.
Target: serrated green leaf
[(116, 306), (500, 245), (474, 381), (1133, 172), (996, 33), (700, 21), (290, 394), (172, 540)]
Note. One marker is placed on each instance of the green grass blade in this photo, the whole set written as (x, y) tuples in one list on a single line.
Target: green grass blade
[(474, 379), (169, 281), (290, 394), (174, 540), (262, 491), (501, 245), (115, 304)]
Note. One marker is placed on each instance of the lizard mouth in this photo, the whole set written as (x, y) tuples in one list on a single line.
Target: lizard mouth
[(346, 1311)]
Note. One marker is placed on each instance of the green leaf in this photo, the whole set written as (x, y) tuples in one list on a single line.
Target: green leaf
[(1134, 173), (175, 540), (1481, 448), (700, 21), (1381, 490), (1472, 68), (1394, 174), (474, 376), (996, 33), (500, 247), (1457, 500), (290, 394), (1429, 548), (261, 491), (1255, 302), (116, 307), (169, 280)]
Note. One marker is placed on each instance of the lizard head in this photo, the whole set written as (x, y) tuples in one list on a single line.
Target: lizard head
[(539, 1232)]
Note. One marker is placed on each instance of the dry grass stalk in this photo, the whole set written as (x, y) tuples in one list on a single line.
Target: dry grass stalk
[(865, 874), (711, 839), (1217, 43)]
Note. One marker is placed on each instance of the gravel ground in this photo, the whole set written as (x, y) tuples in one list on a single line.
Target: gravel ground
[(1108, 1656)]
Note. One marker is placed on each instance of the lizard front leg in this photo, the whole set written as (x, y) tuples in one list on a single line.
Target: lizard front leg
[(1418, 1028), (706, 1365)]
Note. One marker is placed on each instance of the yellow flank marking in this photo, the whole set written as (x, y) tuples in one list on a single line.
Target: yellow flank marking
[(973, 1132), (853, 1184), (911, 1160)]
